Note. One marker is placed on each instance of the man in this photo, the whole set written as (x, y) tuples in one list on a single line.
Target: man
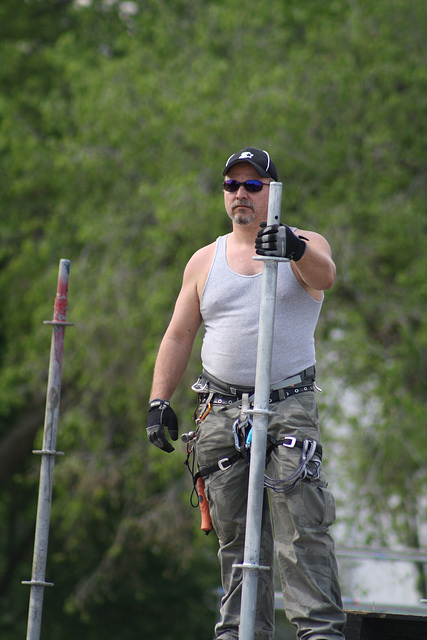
[(221, 288)]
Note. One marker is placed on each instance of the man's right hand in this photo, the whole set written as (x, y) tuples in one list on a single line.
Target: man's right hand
[(280, 241), (161, 415)]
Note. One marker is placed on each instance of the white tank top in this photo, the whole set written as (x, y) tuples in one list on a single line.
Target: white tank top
[(230, 311)]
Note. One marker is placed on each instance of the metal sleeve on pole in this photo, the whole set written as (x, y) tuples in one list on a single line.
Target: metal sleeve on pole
[(261, 414), (48, 454)]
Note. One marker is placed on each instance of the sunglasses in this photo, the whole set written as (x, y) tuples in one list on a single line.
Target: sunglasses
[(252, 186)]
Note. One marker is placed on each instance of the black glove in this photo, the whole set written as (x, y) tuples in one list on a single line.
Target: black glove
[(279, 241), (161, 415)]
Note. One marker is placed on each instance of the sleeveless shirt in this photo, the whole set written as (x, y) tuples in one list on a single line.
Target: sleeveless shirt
[(230, 311)]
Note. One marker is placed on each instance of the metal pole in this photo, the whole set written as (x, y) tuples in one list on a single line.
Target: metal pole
[(261, 413), (48, 454)]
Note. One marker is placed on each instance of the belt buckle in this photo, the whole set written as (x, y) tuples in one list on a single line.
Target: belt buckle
[(222, 462), (292, 442)]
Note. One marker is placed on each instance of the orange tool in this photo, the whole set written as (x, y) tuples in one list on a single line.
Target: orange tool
[(206, 524)]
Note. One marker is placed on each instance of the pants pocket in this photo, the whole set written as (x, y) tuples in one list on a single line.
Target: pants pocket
[(317, 507)]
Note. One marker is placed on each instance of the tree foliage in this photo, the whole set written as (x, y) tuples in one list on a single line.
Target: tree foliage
[(115, 122)]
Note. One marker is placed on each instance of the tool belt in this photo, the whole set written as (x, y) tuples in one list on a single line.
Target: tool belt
[(211, 389)]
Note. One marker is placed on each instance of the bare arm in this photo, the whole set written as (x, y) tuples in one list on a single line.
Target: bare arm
[(175, 348), (316, 269)]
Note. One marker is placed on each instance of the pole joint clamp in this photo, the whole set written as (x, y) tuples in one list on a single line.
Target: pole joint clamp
[(262, 412), (48, 452), (247, 565)]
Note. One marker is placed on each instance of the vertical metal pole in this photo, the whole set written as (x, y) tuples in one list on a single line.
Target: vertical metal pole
[(250, 566), (48, 454)]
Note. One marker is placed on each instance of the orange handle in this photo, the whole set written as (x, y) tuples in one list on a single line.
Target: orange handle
[(206, 524)]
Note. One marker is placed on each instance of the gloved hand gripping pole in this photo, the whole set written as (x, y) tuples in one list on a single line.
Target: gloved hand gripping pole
[(261, 413)]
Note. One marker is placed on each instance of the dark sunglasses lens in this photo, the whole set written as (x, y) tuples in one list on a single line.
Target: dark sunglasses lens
[(253, 185), (250, 185), (231, 185)]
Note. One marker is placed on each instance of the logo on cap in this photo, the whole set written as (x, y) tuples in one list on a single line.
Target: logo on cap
[(246, 155)]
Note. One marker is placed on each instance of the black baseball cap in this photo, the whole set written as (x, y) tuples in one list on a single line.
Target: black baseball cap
[(258, 158)]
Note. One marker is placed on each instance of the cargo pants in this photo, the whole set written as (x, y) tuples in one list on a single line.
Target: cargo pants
[(301, 519)]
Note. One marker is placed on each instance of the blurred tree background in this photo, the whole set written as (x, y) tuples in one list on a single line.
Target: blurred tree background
[(116, 119)]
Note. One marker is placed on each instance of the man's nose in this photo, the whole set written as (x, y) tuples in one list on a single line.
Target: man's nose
[(241, 192)]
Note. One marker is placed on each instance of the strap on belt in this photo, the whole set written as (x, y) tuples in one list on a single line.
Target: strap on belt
[(221, 465), (291, 442), (275, 396), (225, 463), (305, 377)]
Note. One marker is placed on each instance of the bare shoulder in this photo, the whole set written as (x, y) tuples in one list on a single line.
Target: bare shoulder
[(201, 260), (198, 267)]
